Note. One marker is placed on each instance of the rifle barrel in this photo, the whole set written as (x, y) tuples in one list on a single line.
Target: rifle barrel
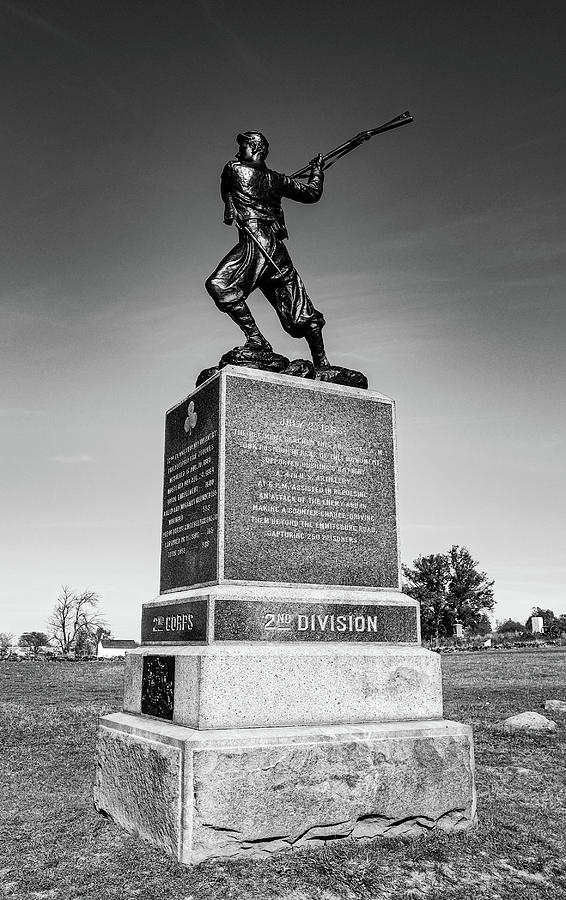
[(348, 145)]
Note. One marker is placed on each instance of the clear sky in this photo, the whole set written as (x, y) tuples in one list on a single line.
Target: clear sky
[(437, 255)]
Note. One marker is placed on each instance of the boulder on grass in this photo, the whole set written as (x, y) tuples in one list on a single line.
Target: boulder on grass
[(528, 721)]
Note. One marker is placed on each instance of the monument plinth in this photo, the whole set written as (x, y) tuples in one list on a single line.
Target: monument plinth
[(281, 695), (267, 476)]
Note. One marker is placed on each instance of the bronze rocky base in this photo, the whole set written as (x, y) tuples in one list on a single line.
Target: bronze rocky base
[(274, 362), (339, 375), (254, 359), (300, 368)]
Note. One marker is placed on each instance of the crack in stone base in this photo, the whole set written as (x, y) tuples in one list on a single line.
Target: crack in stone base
[(364, 828)]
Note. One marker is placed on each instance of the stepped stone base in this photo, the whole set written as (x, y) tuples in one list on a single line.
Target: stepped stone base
[(250, 792), (253, 684)]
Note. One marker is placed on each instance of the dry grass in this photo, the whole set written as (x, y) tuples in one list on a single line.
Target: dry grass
[(54, 845)]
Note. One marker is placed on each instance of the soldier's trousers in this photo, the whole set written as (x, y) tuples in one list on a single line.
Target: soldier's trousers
[(245, 268)]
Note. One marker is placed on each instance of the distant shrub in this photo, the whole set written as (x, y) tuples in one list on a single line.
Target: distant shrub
[(511, 627)]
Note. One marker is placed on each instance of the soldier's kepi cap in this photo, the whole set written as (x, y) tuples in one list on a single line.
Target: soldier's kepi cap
[(256, 136)]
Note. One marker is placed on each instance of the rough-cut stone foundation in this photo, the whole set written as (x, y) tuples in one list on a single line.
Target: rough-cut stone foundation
[(249, 792)]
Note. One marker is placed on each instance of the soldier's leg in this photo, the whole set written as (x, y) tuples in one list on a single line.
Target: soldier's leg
[(229, 286), (316, 346), (294, 307), (240, 313)]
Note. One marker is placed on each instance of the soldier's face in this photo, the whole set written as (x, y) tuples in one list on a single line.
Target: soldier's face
[(246, 151)]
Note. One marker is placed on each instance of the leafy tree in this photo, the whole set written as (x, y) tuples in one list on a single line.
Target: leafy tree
[(33, 640), (449, 589), (428, 583), (483, 626), (470, 593), (5, 641), (74, 617), (509, 626)]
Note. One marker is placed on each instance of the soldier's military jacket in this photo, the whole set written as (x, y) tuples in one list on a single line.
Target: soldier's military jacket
[(252, 191)]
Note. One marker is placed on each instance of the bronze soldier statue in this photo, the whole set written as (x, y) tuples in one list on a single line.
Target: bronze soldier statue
[(252, 196)]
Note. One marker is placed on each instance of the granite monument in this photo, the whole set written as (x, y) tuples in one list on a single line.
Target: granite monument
[(281, 697)]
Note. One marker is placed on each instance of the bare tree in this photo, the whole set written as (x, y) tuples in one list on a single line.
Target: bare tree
[(5, 641), (74, 617)]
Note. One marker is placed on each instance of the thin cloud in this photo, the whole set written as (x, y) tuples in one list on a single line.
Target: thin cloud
[(89, 57), (78, 459), (74, 526), (38, 22), (19, 412), (237, 47)]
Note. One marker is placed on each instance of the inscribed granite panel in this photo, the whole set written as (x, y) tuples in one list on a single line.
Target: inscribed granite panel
[(310, 486), (272, 620), (175, 622), (190, 491)]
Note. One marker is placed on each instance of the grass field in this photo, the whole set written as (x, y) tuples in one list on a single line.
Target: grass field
[(54, 845)]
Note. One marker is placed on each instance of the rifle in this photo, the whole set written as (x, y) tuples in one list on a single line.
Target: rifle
[(329, 159), (334, 155)]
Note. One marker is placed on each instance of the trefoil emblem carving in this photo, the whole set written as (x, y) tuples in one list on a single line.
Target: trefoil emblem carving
[(191, 420)]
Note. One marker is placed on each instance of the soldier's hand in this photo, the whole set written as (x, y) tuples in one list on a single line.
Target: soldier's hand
[(318, 162)]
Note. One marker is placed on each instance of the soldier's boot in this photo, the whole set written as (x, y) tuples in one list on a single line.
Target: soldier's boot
[(316, 347), (255, 342)]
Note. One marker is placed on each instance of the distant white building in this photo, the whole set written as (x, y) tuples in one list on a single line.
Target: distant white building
[(537, 626), (108, 647)]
